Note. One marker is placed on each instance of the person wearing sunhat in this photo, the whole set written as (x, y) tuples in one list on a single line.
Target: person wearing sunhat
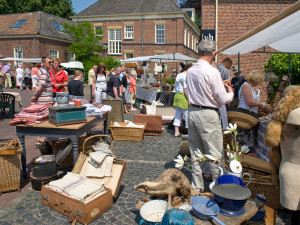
[(236, 82)]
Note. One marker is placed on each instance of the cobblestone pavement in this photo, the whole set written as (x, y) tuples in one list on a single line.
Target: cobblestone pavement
[(146, 159)]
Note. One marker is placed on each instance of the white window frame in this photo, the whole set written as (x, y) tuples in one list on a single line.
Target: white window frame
[(95, 29), (128, 32), (188, 39), (114, 44), (18, 54), (51, 51), (184, 38), (128, 53), (157, 41), (71, 57), (192, 45)]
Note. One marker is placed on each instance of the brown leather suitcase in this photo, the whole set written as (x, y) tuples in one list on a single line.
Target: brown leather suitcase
[(153, 124), (77, 210)]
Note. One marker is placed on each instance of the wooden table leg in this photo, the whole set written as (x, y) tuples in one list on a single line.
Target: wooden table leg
[(23, 156), (75, 149)]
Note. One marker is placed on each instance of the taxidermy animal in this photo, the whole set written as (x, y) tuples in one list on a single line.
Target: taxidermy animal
[(172, 182)]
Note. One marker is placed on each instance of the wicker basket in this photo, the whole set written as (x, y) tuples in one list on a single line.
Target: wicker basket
[(263, 185), (10, 165), (123, 133)]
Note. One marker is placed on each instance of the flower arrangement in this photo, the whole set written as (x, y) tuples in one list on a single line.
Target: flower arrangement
[(234, 154)]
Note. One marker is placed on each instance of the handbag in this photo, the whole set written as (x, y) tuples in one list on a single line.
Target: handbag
[(244, 118), (62, 89)]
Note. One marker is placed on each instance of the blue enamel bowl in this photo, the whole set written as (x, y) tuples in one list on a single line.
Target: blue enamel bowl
[(229, 179)]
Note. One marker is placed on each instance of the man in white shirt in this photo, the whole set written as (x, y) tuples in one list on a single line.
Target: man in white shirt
[(206, 92)]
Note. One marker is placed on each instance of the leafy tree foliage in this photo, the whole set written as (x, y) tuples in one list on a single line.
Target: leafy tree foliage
[(62, 8), (196, 4), (280, 65), (111, 62)]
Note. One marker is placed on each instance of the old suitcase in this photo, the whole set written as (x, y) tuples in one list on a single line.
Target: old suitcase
[(77, 210), (153, 124), (67, 115)]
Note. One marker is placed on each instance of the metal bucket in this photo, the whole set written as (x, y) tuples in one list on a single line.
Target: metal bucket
[(44, 169)]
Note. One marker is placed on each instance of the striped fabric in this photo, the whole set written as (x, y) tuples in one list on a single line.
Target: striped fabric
[(44, 79)]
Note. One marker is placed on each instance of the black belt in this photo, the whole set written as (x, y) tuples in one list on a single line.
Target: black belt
[(205, 107)]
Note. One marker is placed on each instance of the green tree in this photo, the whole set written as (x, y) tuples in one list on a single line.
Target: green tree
[(196, 4), (62, 8), (111, 62), (280, 65), (86, 44)]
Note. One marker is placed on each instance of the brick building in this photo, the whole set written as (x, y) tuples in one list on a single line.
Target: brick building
[(237, 17), (133, 28), (33, 35)]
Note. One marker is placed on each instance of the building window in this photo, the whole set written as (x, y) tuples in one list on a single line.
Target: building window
[(188, 39), (114, 41), (128, 55), (18, 24), (192, 45), (53, 54), (184, 38), (98, 31), (18, 53), (160, 34), (58, 27), (71, 57), (128, 32)]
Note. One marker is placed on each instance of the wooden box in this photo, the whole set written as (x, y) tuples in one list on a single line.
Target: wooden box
[(153, 124), (77, 210), (67, 115)]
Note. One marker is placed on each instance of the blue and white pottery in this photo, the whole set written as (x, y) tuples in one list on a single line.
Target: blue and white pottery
[(177, 217), (62, 99), (151, 208)]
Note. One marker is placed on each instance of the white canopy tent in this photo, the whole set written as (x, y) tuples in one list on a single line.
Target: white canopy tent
[(170, 57), (32, 60), (281, 32), (73, 65)]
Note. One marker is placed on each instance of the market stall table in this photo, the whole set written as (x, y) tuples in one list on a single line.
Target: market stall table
[(17, 96), (46, 129), (145, 94)]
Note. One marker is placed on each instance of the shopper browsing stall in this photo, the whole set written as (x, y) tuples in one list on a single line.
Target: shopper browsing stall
[(59, 78), (206, 92), (99, 86), (75, 87)]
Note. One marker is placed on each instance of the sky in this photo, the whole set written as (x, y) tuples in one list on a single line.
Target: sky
[(79, 5)]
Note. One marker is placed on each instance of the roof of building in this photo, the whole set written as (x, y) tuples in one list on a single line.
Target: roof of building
[(36, 23), (112, 7)]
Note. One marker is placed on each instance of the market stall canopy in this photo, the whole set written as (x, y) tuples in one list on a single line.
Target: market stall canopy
[(73, 65), (33, 60), (170, 57), (282, 32)]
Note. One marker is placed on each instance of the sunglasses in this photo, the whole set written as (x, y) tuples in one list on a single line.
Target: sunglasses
[(50, 62)]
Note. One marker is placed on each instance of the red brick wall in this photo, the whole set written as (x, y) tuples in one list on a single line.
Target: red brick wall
[(174, 39), (236, 18)]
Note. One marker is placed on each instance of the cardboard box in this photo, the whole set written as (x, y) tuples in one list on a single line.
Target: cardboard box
[(77, 210), (153, 124)]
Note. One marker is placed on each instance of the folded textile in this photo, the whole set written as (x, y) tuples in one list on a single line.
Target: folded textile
[(103, 171), (76, 186), (35, 108), (97, 158), (131, 124)]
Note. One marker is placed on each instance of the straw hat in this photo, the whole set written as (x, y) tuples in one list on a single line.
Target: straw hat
[(243, 118)]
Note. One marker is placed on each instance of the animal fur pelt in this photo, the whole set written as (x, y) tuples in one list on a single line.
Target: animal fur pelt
[(171, 182), (288, 103)]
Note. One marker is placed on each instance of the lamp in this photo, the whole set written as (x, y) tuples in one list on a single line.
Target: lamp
[(271, 77)]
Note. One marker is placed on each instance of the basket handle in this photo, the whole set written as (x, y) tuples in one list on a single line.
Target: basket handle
[(100, 135)]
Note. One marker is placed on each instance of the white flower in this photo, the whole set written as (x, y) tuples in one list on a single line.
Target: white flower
[(199, 155), (211, 158), (228, 147), (245, 149), (231, 128), (230, 156), (179, 162)]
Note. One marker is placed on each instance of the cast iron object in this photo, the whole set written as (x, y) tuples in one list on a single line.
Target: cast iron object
[(205, 209), (231, 195), (37, 183), (45, 169)]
